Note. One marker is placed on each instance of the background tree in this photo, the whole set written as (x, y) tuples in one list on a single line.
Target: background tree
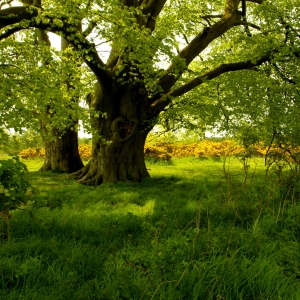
[(38, 93), (159, 50)]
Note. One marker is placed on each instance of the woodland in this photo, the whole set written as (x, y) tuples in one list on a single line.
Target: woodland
[(189, 186)]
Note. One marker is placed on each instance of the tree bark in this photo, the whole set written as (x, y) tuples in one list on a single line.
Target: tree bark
[(61, 147), (119, 136), (61, 151), (115, 161)]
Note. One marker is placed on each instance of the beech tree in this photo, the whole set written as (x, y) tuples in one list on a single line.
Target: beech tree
[(38, 92), (159, 51), (32, 92)]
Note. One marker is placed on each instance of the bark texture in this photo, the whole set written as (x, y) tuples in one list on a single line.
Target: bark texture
[(118, 146), (62, 152)]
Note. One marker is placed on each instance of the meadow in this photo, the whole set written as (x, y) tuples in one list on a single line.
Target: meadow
[(197, 229)]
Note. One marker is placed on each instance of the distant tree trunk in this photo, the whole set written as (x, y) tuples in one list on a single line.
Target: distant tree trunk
[(118, 147), (61, 146), (61, 151)]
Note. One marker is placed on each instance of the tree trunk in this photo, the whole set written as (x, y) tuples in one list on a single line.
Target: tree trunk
[(121, 160), (61, 152), (119, 137)]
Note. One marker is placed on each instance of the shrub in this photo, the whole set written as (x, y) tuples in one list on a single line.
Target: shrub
[(157, 153), (32, 153), (85, 151), (13, 190), (217, 149), (162, 151), (183, 150)]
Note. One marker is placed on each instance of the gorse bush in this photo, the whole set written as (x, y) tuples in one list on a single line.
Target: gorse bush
[(164, 151), (32, 153), (85, 151), (157, 153), (217, 149)]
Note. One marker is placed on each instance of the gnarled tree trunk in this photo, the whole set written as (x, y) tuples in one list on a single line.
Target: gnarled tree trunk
[(61, 151), (118, 146)]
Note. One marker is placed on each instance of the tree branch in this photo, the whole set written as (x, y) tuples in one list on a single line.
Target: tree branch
[(10, 31), (245, 23), (230, 18), (211, 16), (159, 104), (14, 66), (195, 47), (151, 9), (15, 15)]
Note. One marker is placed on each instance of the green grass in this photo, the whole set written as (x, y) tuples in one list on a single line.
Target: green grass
[(186, 233)]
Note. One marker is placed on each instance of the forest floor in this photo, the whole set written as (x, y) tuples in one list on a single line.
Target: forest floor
[(197, 229)]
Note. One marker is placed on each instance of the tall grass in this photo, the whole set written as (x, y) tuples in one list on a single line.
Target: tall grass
[(192, 231)]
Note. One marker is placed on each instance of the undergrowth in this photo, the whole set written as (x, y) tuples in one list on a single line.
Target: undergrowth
[(195, 230)]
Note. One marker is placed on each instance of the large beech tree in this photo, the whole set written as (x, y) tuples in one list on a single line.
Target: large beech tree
[(36, 83), (159, 50), (33, 94)]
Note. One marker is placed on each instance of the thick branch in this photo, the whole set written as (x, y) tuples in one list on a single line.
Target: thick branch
[(159, 104), (15, 15), (152, 9), (43, 37), (229, 19), (10, 31)]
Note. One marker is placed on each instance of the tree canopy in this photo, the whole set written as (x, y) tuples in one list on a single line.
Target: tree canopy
[(148, 56)]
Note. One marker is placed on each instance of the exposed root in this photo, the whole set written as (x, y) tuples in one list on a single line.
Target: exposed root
[(45, 167), (82, 172)]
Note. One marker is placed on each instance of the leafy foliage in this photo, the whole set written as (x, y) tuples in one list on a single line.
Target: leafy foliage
[(197, 64), (13, 184), (14, 188)]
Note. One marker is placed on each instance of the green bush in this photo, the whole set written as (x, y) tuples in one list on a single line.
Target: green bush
[(13, 190)]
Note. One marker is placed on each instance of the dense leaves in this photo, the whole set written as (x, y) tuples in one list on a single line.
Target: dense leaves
[(14, 185), (168, 60)]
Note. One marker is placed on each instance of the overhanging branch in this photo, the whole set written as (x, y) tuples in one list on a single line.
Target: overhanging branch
[(159, 104), (199, 43), (231, 17), (14, 16)]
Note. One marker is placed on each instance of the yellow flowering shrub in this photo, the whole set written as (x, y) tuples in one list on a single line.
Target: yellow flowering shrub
[(158, 153), (165, 151), (183, 150), (217, 149), (85, 151), (32, 153)]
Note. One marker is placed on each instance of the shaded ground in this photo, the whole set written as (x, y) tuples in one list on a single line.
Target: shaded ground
[(186, 233)]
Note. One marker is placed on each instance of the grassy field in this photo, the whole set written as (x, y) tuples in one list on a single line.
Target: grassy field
[(198, 229)]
